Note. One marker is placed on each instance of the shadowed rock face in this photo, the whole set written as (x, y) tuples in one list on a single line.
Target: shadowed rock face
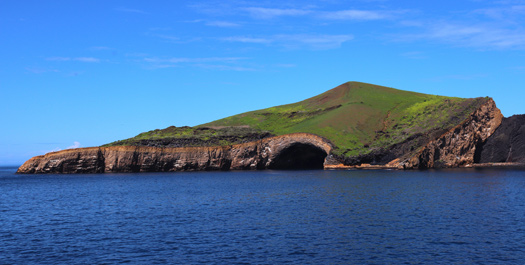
[(507, 144)]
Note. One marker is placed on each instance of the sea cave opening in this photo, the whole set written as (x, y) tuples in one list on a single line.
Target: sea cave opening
[(299, 156)]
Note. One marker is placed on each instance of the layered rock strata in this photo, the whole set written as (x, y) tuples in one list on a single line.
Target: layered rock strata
[(286, 151)]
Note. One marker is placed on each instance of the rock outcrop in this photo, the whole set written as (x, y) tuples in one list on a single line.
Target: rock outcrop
[(287, 151), (458, 146), (507, 144)]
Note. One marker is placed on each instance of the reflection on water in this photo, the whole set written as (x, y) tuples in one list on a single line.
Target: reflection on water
[(302, 217)]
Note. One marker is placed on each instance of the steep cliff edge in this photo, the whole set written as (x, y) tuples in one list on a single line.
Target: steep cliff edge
[(287, 151), (458, 146), (507, 144)]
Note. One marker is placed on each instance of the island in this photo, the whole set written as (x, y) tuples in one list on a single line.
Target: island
[(354, 125)]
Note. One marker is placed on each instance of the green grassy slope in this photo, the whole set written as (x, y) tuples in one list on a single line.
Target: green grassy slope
[(357, 117)]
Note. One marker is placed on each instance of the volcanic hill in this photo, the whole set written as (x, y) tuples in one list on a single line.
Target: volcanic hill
[(352, 124)]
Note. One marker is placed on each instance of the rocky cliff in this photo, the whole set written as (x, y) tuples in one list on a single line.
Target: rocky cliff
[(507, 144), (458, 146), (299, 150)]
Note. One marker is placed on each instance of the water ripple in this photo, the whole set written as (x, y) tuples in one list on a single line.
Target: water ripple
[(273, 217)]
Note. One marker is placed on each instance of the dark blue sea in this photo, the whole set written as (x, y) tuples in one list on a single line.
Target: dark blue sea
[(265, 217)]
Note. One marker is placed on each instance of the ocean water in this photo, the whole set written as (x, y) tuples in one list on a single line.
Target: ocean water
[(264, 217)]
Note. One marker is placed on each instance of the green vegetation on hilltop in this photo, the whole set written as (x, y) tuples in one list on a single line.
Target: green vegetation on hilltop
[(357, 118)]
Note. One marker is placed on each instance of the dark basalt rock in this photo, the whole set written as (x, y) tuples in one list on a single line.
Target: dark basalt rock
[(507, 144)]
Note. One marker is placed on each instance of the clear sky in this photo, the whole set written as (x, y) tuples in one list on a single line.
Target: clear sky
[(85, 73)]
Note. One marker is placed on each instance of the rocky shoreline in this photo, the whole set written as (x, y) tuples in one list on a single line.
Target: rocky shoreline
[(497, 165)]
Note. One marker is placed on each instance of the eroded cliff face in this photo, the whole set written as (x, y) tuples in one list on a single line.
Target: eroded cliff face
[(307, 150), (458, 146)]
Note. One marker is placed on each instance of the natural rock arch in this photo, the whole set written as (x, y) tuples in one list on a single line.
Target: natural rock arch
[(299, 156), (297, 151)]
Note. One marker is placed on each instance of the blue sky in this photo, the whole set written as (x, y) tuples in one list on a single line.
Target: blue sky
[(85, 73)]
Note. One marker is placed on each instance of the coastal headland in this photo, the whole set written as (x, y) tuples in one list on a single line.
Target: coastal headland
[(355, 125)]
